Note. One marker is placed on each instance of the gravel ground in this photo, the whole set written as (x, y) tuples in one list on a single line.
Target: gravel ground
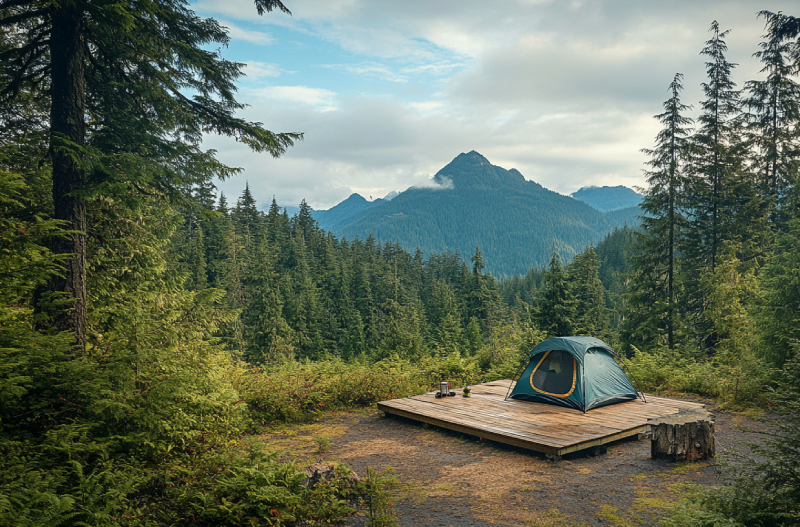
[(446, 478)]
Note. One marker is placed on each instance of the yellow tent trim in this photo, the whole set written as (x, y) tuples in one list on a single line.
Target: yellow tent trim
[(574, 377)]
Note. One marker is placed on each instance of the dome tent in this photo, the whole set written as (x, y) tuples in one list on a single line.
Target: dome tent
[(577, 372)]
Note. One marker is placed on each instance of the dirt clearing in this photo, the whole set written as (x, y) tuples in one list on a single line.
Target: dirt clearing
[(451, 479)]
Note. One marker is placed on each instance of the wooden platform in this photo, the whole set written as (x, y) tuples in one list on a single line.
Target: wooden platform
[(535, 426)]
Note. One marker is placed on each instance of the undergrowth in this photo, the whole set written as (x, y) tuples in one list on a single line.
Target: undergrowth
[(737, 383)]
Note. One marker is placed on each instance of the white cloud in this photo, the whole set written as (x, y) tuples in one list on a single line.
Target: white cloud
[(562, 91), (444, 183), (254, 37), (319, 98), (258, 70), (370, 70)]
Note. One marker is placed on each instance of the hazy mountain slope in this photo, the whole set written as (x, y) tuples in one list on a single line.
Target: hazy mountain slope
[(514, 221), (345, 212), (608, 198), (629, 216)]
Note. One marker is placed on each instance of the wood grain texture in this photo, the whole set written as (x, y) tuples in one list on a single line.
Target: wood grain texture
[(535, 426)]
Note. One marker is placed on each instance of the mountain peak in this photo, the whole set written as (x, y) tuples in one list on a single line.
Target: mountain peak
[(472, 170), (354, 198), (470, 158)]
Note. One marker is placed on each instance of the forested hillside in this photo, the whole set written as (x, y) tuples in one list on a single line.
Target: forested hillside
[(149, 326), (305, 294), (515, 222)]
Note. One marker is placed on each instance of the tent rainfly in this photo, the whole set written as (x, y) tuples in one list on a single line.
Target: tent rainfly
[(577, 372)]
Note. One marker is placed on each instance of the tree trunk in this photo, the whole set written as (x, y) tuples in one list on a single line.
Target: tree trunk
[(67, 130), (685, 436)]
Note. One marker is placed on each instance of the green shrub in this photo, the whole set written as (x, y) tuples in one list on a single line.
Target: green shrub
[(729, 380), (294, 391)]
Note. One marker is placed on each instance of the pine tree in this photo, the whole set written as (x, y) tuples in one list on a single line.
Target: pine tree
[(197, 261), (653, 296), (483, 298), (722, 202), (591, 317), (473, 339), (556, 305), (778, 315), (247, 218), (774, 115), (717, 154), (268, 336), (116, 75)]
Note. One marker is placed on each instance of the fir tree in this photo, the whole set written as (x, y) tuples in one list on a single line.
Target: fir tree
[(116, 75), (556, 306), (778, 314), (268, 336), (717, 154), (723, 203), (653, 297), (774, 114), (591, 317), (197, 261)]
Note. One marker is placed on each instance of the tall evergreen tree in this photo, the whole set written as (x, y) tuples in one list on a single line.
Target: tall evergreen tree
[(774, 116), (591, 316), (556, 306), (116, 74), (778, 315), (268, 336), (484, 300), (717, 154), (723, 202), (653, 296)]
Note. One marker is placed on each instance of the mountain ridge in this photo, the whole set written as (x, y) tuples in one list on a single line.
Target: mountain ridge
[(607, 198), (515, 222)]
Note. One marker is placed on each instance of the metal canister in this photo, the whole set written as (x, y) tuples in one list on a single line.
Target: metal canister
[(444, 387)]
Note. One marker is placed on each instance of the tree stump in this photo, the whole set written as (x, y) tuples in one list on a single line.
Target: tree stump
[(685, 436)]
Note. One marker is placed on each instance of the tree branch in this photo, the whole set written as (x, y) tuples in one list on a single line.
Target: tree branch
[(21, 17)]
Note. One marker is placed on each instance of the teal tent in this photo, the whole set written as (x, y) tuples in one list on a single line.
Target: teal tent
[(577, 372)]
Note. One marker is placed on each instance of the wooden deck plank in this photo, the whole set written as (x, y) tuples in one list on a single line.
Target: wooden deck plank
[(547, 422), (535, 426), (563, 433), (540, 413)]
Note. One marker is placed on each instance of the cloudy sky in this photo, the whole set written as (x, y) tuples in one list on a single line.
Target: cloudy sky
[(387, 92)]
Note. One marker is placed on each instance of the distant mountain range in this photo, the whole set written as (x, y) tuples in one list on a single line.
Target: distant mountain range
[(473, 203), (608, 198)]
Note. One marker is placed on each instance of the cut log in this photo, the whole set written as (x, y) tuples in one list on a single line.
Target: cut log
[(684, 436)]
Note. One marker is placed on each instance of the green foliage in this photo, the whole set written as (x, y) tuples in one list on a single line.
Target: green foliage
[(764, 487), (294, 391), (778, 315), (732, 379), (376, 499), (556, 306), (591, 316), (206, 323), (654, 286), (303, 294)]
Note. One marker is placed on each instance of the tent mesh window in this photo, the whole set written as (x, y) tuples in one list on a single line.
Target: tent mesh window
[(555, 374)]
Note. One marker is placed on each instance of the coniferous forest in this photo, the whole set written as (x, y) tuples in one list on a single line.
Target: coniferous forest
[(150, 325)]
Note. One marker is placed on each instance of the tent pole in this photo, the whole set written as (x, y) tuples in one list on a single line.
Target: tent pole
[(519, 371), (641, 394)]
